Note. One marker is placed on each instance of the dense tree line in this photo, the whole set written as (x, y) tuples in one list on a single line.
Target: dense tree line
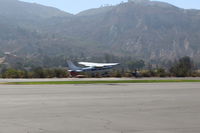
[(36, 73), (184, 67)]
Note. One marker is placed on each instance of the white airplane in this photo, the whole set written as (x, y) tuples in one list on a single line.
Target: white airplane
[(90, 66)]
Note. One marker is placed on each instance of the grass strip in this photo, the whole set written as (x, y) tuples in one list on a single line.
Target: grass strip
[(99, 82)]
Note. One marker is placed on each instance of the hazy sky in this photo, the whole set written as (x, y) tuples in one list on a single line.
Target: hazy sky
[(75, 6)]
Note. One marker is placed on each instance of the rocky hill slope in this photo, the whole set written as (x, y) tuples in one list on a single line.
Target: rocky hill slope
[(141, 29)]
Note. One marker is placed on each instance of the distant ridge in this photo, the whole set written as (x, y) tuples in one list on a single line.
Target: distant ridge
[(144, 29)]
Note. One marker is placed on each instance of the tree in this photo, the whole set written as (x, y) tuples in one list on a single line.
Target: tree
[(13, 73), (161, 72), (182, 68)]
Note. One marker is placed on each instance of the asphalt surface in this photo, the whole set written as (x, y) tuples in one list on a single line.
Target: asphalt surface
[(108, 108)]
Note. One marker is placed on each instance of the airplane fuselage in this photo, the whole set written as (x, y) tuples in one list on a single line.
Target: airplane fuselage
[(89, 69)]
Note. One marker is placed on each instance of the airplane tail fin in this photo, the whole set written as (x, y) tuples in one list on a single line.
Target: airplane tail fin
[(72, 66)]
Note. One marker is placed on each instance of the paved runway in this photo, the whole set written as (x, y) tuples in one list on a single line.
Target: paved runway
[(109, 108)]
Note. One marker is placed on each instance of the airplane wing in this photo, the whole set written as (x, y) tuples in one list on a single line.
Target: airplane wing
[(91, 64)]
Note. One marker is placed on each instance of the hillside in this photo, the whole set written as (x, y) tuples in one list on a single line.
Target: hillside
[(22, 10), (149, 30), (141, 29)]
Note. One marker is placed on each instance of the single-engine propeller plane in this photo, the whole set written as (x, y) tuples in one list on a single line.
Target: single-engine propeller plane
[(89, 67)]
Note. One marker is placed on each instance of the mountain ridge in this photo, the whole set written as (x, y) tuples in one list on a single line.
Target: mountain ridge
[(149, 31)]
